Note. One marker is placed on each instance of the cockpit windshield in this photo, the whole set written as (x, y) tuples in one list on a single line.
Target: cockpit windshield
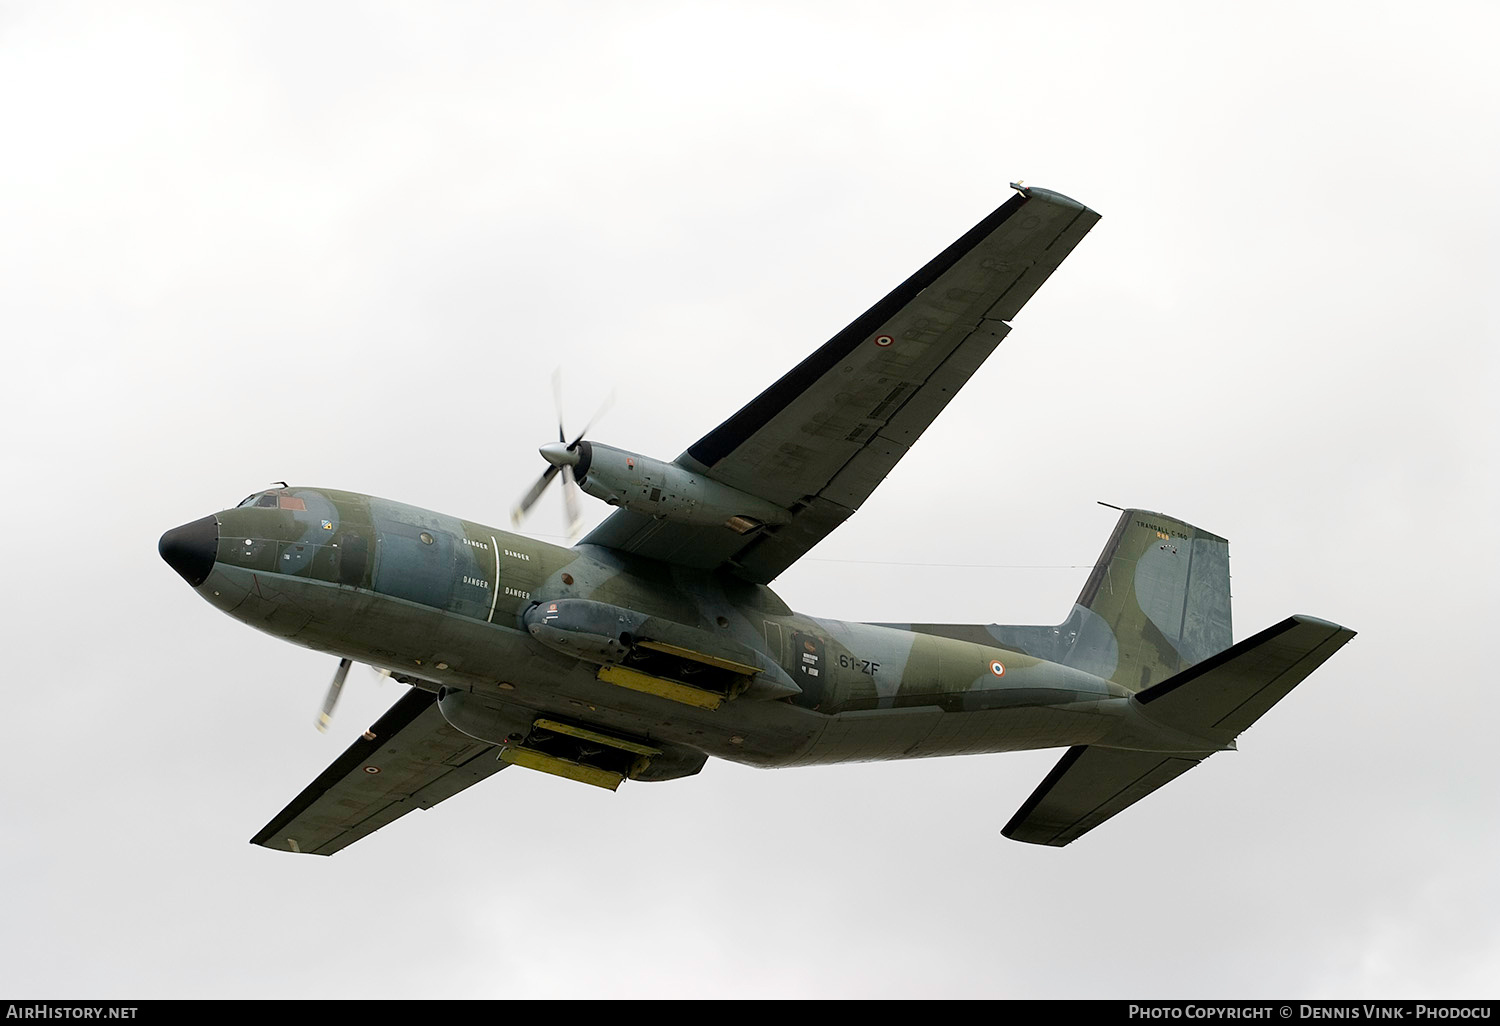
[(273, 500)]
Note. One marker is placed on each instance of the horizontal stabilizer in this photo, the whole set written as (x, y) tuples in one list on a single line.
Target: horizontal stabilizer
[(1089, 785), (1226, 693), (1215, 700)]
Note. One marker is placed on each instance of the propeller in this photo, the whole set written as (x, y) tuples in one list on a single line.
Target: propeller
[(562, 456), (331, 699)]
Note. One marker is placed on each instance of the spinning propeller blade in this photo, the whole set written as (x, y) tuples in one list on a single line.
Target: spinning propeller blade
[(570, 503), (326, 716), (524, 506)]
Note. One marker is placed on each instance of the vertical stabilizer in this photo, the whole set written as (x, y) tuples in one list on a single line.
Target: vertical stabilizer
[(1161, 590), (1156, 603)]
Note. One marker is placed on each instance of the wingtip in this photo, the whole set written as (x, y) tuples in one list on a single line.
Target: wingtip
[(1048, 196), (1317, 621)]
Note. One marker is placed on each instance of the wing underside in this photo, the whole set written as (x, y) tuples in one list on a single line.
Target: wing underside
[(818, 441), (410, 759)]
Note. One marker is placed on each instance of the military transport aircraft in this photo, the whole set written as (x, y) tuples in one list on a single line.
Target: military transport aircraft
[(655, 642)]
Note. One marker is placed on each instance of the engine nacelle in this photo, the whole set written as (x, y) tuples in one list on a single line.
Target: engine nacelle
[(493, 722), (667, 491)]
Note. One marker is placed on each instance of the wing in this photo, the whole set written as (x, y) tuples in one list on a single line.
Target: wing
[(410, 759), (818, 441)]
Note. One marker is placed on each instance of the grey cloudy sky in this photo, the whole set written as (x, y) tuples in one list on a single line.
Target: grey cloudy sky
[(347, 244)]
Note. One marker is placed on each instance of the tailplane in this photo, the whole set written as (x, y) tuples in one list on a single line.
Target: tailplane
[(1213, 701), (1154, 618)]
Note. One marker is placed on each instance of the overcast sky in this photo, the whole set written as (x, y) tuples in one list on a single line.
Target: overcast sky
[(347, 245)]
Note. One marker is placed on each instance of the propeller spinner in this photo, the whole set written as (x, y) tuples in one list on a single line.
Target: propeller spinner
[(562, 457)]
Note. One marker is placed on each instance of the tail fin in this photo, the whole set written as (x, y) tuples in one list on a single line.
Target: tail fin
[(1156, 603), (1160, 593)]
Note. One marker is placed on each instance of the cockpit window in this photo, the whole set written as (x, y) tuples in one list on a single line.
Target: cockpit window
[(274, 500)]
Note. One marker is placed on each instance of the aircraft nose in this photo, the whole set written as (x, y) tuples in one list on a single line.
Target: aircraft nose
[(191, 549)]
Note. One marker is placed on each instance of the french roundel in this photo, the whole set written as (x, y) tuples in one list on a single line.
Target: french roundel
[(997, 668)]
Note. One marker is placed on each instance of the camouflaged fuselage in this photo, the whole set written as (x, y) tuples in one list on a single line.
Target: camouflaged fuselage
[(440, 601)]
